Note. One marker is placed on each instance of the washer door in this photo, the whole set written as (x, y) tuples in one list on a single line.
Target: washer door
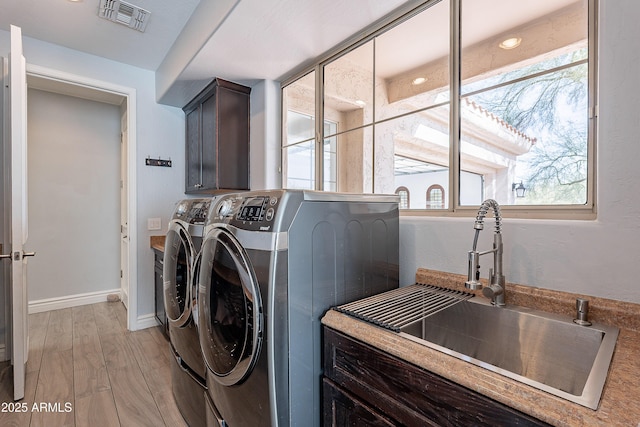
[(178, 274), (230, 309)]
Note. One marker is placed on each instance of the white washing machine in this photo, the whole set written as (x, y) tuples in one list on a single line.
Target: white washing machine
[(273, 262), (181, 264)]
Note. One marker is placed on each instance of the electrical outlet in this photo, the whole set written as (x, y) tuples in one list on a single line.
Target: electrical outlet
[(154, 224)]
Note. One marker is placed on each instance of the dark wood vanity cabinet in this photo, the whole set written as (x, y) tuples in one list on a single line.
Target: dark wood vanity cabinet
[(364, 386), (217, 139)]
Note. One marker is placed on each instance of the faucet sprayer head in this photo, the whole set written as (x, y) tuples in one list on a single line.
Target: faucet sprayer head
[(482, 213)]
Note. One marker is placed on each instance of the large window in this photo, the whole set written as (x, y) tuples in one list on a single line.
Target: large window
[(506, 100)]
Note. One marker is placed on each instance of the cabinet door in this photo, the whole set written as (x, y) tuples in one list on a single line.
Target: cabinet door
[(210, 131), (233, 139), (217, 139), (193, 170), (343, 409), (411, 395)]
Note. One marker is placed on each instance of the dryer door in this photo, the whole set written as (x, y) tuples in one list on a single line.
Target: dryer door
[(178, 274), (230, 309)]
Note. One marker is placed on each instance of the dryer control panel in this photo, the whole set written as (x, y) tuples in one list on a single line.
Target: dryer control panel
[(255, 212), (253, 209)]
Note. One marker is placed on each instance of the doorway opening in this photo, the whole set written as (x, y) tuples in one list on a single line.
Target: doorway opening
[(104, 92)]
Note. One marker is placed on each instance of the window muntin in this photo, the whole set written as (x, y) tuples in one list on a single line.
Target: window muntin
[(484, 163)]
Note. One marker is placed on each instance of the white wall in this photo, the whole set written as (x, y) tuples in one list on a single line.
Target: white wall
[(74, 195), (160, 132), (265, 136), (598, 258)]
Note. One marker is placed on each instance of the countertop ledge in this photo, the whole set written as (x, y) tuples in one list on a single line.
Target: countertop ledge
[(620, 402), (157, 243)]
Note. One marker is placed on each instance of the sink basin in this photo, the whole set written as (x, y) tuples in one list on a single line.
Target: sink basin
[(545, 351)]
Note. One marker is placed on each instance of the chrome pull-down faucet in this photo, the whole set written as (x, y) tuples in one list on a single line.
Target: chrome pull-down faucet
[(496, 289)]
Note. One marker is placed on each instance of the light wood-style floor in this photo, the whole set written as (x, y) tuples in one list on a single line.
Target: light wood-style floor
[(86, 369)]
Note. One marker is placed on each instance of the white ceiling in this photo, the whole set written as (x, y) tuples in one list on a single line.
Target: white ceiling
[(248, 40), (76, 25), (265, 38)]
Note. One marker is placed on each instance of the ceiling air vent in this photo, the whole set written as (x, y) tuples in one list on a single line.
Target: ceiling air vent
[(124, 13)]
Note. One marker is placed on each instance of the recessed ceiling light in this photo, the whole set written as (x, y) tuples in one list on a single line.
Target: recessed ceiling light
[(510, 43), (419, 80)]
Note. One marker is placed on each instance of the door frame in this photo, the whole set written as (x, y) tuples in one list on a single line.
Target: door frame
[(81, 86), (5, 192)]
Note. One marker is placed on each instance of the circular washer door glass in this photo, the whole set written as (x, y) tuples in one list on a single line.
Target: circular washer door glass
[(177, 275), (230, 309)]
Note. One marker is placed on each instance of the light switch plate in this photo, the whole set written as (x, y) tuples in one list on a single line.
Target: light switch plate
[(154, 223)]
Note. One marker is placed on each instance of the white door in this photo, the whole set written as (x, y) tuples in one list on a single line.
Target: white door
[(18, 133), (124, 212)]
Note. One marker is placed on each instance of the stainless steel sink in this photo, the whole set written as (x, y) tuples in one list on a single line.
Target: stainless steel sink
[(545, 351)]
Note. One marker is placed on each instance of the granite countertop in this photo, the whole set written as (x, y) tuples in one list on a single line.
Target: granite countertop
[(157, 243), (620, 402)]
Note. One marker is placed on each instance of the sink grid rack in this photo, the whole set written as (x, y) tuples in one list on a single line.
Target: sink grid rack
[(399, 308)]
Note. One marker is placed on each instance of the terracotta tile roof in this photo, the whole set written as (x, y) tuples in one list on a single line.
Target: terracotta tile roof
[(498, 120)]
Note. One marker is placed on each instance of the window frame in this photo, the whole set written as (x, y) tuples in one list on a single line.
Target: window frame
[(588, 211)]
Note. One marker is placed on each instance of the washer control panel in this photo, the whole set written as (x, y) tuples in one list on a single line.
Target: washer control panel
[(198, 212)]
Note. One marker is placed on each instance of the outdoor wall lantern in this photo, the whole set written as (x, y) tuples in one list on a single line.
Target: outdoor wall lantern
[(519, 189)]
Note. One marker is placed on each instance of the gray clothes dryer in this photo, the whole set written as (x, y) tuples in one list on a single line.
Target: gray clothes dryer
[(181, 264), (273, 262)]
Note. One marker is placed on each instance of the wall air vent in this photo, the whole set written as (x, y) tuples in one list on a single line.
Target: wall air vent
[(124, 13)]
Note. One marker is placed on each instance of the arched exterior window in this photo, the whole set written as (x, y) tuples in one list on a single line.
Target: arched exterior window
[(403, 192), (435, 197)]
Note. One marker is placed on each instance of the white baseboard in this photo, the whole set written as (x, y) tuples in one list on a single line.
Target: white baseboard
[(124, 297), (146, 321), (49, 304)]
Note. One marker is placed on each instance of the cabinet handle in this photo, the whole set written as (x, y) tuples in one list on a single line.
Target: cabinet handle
[(2, 256)]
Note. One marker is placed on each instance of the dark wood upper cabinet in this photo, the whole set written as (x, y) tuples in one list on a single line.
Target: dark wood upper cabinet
[(217, 139)]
